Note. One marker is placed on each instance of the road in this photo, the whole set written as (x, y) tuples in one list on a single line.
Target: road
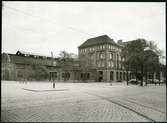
[(82, 102)]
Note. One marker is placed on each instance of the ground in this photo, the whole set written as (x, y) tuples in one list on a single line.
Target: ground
[(38, 101)]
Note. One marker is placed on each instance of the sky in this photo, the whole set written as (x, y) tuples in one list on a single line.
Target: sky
[(45, 27)]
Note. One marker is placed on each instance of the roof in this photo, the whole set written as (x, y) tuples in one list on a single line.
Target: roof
[(30, 53), (17, 59), (103, 39)]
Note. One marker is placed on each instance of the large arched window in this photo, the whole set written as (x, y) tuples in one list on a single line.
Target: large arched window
[(111, 75)]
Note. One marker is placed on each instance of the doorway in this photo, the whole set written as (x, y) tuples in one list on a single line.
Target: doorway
[(100, 76), (111, 75), (53, 76)]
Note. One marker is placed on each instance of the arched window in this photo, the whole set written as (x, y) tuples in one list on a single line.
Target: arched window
[(111, 75), (102, 55)]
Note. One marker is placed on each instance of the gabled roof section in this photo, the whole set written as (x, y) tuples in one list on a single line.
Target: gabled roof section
[(104, 39)]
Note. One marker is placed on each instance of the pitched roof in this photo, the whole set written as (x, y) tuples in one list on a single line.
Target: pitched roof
[(103, 39)]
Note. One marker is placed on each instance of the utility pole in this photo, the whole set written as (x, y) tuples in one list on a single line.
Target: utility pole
[(52, 74)]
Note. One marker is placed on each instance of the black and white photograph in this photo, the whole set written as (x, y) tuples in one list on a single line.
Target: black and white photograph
[(83, 61)]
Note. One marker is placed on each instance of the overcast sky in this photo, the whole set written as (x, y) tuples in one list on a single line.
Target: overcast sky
[(42, 27)]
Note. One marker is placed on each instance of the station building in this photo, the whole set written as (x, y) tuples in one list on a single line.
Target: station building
[(99, 60), (103, 55)]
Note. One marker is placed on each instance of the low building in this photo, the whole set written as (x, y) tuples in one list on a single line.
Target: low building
[(30, 66)]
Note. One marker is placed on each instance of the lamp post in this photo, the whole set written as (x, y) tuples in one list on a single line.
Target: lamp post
[(52, 74)]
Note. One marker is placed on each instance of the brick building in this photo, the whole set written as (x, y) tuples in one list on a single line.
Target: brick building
[(28, 66), (100, 60), (102, 55)]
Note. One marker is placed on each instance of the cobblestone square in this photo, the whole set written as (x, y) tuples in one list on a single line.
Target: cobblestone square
[(77, 102)]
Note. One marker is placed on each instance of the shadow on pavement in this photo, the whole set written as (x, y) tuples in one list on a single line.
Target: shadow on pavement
[(44, 90)]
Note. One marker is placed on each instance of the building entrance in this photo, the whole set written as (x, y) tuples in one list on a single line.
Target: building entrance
[(53, 76), (111, 76), (100, 78)]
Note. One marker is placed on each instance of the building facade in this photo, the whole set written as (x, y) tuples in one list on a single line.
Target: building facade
[(104, 56), (29, 66), (99, 60)]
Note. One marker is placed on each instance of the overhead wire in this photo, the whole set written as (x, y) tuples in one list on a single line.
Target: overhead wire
[(47, 20)]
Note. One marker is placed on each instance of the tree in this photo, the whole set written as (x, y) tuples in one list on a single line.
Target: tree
[(141, 57), (65, 56), (151, 63), (66, 61), (152, 59), (126, 64), (134, 59)]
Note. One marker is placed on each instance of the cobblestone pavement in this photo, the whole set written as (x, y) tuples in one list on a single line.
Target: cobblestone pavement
[(78, 102)]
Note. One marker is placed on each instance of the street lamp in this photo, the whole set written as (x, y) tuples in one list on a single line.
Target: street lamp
[(52, 74)]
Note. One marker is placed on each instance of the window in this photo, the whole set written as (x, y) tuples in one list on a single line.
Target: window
[(63, 75), (117, 75), (119, 66), (68, 75), (112, 64), (124, 76), (103, 46), (120, 58), (81, 75), (110, 55), (54, 63), (98, 64), (119, 50), (117, 57), (109, 64), (100, 47), (113, 48), (101, 55), (120, 75), (88, 75), (102, 64), (20, 74)]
